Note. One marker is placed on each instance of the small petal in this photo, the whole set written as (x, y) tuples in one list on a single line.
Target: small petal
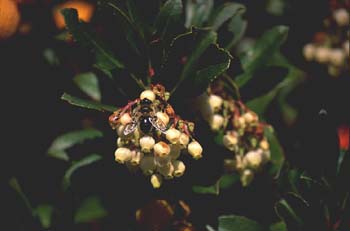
[(163, 117), (125, 119), (148, 94), (195, 150), (161, 149), (230, 140), (216, 122), (215, 102), (179, 168), (136, 157), (246, 177), (173, 135), (184, 139), (147, 143), (122, 155), (253, 159), (156, 180)]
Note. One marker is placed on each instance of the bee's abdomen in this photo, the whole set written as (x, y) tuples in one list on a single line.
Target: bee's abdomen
[(145, 124)]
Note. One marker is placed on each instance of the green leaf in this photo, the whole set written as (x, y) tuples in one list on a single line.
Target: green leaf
[(170, 14), (260, 54), (76, 165), (51, 57), (63, 142), (91, 209), (277, 153), (13, 182), (88, 83), (224, 182), (233, 222), (197, 12), (237, 26), (288, 215), (80, 33), (44, 213), (87, 104), (279, 226)]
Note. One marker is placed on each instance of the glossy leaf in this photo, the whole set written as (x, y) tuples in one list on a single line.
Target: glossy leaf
[(224, 182), (237, 26), (263, 50), (76, 165), (277, 153), (63, 142), (233, 222), (83, 36), (90, 209), (224, 13), (87, 104), (88, 83), (197, 12), (44, 213)]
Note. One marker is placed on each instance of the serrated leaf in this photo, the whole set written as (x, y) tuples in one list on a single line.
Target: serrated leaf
[(87, 104), (76, 165), (224, 182), (82, 35), (263, 50), (279, 226), (90, 209), (44, 213), (233, 222), (288, 215), (197, 12), (88, 83), (277, 153), (63, 142)]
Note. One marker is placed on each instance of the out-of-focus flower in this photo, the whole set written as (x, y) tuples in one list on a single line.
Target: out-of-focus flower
[(341, 17), (9, 18), (85, 11), (344, 137)]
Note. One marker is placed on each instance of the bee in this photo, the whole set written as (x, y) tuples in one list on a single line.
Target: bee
[(144, 118)]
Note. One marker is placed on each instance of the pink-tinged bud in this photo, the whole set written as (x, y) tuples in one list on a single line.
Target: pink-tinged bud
[(179, 168), (309, 51), (337, 57), (156, 180), (215, 102), (147, 143), (216, 122), (148, 94), (173, 135), (341, 17), (166, 171), (322, 54), (122, 155), (253, 159), (125, 119), (195, 150), (230, 140), (247, 177), (161, 149), (148, 165), (184, 139), (163, 117), (264, 145), (136, 157), (175, 151)]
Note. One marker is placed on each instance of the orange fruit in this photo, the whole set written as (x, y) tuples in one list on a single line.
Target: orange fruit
[(85, 11), (9, 18)]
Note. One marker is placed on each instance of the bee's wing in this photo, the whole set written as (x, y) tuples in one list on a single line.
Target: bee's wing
[(158, 124), (130, 128)]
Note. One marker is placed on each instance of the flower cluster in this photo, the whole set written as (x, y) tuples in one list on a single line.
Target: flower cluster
[(152, 137), (331, 46), (243, 133)]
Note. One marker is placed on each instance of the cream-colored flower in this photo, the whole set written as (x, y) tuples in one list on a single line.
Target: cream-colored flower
[(337, 57), (179, 168), (166, 170), (341, 16), (148, 94), (184, 139), (156, 180), (215, 102), (322, 54), (195, 150), (230, 140), (253, 159), (136, 157), (163, 117), (120, 130), (161, 149), (122, 155), (125, 119), (264, 145), (250, 117), (173, 135), (148, 165), (216, 122), (147, 143), (309, 51), (246, 177)]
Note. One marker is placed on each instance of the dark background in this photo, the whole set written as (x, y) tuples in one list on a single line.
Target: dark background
[(33, 115)]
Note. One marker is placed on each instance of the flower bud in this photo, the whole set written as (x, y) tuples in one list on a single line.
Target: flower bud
[(309, 51), (253, 159), (147, 165), (322, 54), (125, 119), (156, 180), (215, 102), (230, 140), (120, 142), (195, 150), (173, 135), (175, 151), (337, 57), (246, 177), (136, 157), (264, 145), (147, 143), (163, 117), (166, 170), (184, 139), (122, 155), (341, 17), (148, 94), (216, 122), (250, 117), (161, 149), (179, 168), (120, 130)]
